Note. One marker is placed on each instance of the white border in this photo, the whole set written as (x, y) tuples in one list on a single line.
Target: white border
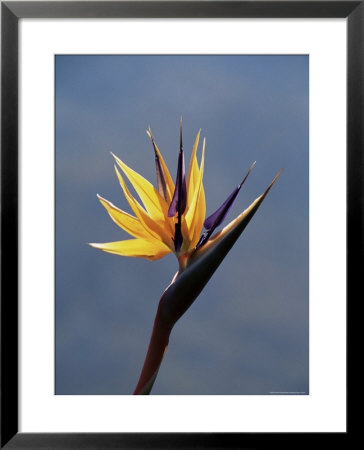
[(324, 408)]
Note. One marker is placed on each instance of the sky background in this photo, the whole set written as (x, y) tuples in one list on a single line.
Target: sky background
[(247, 333)]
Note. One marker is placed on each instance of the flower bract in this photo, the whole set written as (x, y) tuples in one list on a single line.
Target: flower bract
[(169, 218)]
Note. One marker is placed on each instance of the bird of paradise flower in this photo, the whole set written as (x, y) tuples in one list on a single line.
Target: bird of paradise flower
[(171, 219)]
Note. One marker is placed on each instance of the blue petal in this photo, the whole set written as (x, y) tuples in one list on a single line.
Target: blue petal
[(213, 221), (219, 215), (161, 181), (178, 238), (162, 187), (179, 200)]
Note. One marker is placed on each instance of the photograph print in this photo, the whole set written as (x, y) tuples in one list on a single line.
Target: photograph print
[(182, 220)]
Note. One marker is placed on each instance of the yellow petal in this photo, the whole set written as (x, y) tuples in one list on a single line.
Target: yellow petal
[(167, 175), (153, 228), (153, 201), (141, 248), (124, 220), (193, 171), (196, 212), (199, 218)]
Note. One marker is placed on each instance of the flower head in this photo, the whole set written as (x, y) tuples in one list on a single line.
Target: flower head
[(169, 218)]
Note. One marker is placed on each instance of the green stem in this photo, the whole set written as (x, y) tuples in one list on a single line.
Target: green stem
[(157, 347)]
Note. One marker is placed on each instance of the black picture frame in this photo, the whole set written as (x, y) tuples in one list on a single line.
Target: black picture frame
[(11, 12)]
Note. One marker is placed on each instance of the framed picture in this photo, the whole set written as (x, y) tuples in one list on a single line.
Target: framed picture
[(251, 359)]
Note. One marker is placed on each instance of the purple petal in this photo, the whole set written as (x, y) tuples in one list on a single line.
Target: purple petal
[(179, 200), (213, 221), (178, 238), (218, 216), (161, 181)]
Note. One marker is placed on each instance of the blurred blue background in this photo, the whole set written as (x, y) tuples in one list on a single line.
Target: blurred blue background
[(247, 333)]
